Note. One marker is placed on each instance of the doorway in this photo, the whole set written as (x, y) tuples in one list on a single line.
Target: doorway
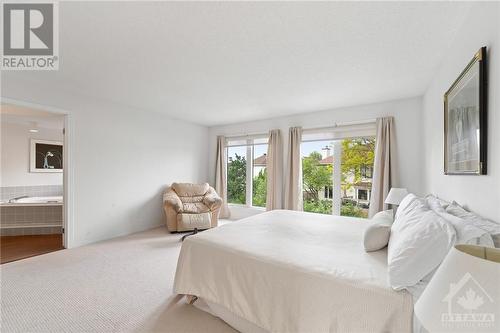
[(32, 197)]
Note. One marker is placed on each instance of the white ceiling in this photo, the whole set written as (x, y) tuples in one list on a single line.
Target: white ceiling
[(218, 63)]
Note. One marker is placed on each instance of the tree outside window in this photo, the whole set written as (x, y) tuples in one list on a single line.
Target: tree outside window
[(259, 180), (356, 163), (236, 178), (243, 178)]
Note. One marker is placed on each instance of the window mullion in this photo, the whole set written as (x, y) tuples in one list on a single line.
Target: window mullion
[(337, 177), (249, 173)]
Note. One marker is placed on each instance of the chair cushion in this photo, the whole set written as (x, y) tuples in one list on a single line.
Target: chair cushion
[(191, 221), (194, 199), (189, 190), (194, 208)]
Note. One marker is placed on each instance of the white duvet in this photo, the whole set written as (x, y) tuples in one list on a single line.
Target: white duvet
[(288, 271)]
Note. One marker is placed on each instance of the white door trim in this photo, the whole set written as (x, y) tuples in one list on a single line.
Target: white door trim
[(68, 168)]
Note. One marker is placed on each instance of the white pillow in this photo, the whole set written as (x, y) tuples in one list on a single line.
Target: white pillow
[(467, 232), (420, 239), (385, 215), (491, 227), (435, 202), (376, 235), (411, 204)]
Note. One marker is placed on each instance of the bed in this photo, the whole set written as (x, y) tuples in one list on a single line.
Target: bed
[(286, 271)]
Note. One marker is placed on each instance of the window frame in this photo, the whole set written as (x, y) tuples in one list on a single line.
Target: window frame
[(335, 137), (250, 151)]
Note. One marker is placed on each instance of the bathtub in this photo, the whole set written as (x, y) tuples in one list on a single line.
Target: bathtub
[(32, 216), (35, 201)]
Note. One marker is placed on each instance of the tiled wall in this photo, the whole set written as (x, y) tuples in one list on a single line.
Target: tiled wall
[(9, 192), (30, 220)]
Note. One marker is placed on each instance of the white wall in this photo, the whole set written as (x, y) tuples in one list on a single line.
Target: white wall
[(15, 148), (122, 159), (407, 114), (479, 193)]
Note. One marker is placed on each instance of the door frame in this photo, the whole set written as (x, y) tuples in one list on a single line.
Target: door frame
[(68, 166)]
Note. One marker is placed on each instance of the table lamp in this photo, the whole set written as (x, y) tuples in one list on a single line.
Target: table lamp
[(395, 196)]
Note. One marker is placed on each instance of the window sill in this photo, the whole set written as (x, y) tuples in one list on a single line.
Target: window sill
[(236, 205), (245, 206)]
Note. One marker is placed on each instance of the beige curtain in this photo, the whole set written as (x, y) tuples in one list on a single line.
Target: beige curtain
[(220, 176), (274, 170), (384, 164), (293, 171)]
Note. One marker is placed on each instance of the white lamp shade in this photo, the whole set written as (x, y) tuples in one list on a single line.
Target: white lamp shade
[(395, 196), (464, 293)]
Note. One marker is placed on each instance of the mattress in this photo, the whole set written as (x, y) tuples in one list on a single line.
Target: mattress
[(286, 271)]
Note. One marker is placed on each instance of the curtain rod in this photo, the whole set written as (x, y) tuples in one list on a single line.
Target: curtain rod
[(344, 124), (245, 136), (335, 125)]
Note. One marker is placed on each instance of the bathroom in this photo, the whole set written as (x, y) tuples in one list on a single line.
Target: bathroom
[(31, 182)]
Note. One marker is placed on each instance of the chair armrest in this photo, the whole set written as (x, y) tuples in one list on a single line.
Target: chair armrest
[(212, 200), (172, 200)]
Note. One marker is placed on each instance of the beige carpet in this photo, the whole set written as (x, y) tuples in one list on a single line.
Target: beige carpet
[(124, 284)]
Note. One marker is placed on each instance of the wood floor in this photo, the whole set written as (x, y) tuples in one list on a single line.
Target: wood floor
[(19, 247)]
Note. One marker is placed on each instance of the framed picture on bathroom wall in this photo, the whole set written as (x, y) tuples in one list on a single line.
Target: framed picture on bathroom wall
[(46, 156)]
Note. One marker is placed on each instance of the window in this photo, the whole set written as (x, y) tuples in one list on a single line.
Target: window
[(362, 194), (356, 178), (328, 192), (367, 171), (337, 168), (236, 175), (317, 172), (259, 176), (246, 172)]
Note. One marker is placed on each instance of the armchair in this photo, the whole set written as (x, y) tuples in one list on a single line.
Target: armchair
[(191, 206)]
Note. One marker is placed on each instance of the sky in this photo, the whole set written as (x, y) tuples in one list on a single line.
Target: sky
[(308, 147), (242, 151)]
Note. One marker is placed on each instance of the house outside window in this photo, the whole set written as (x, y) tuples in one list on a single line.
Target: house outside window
[(337, 169), (246, 171)]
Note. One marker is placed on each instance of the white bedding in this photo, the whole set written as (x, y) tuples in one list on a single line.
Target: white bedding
[(290, 271)]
